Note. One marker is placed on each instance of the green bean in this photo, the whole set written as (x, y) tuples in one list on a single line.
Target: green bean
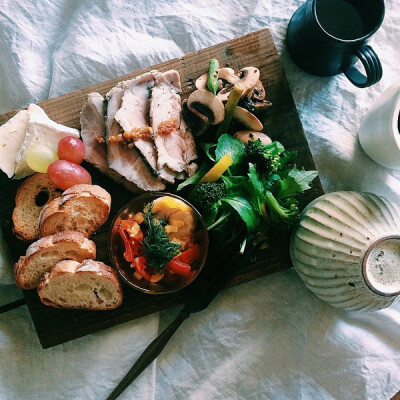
[(213, 73)]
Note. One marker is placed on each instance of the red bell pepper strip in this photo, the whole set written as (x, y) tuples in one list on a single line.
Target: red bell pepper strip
[(178, 267), (128, 254), (190, 255), (139, 263), (126, 224)]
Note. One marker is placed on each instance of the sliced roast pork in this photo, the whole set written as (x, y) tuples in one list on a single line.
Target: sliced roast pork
[(174, 142), (188, 148), (132, 117), (147, 142), (93, 136), (124, 158)]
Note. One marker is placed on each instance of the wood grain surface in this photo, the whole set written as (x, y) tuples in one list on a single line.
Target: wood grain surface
[(281, 122)]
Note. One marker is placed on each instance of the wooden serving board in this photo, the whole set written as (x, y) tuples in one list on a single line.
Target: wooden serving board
[(281, 122)]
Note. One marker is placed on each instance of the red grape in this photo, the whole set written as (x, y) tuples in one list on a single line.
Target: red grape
[(71, 149), (65, 174)]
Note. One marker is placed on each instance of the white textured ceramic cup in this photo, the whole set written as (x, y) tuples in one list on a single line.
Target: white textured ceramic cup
[(346, 249), (379, 132)]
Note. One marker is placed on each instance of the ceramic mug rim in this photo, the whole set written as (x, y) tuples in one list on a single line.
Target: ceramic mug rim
[(396, 118), (360, 39), (364, 265)]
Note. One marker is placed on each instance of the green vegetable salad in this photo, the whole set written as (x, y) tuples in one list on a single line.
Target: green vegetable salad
[(258, 192)]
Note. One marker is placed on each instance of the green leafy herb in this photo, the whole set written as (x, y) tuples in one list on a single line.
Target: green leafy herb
[(233, 181), (209, 149), (245, 210), (228, 144), (209, 215), (296, 182), (256, 188), (158, 248)]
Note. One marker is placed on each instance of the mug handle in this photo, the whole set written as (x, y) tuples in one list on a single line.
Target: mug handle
[(372, 65)]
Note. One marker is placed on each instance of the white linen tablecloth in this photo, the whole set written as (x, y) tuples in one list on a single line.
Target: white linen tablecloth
[(267, 339)]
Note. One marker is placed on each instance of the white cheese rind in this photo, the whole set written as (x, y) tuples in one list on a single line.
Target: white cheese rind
[(12, 135), (41, 129)]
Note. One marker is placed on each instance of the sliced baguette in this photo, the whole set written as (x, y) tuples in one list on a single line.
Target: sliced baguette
[(90, 285), (32, 196), (42, 255), (81, 208)]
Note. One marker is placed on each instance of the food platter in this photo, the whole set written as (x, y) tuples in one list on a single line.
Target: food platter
[(281, 122)]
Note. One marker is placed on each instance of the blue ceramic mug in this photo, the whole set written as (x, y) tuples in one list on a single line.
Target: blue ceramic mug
[(327, 37)]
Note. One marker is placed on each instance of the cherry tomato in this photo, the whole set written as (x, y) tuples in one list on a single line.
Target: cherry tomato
[(71, 149), (65, 174)]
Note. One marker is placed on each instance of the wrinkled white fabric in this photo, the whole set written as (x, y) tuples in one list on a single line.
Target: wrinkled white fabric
[(267, 339)]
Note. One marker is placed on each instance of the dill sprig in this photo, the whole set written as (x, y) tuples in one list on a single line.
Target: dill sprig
[(158, 248)]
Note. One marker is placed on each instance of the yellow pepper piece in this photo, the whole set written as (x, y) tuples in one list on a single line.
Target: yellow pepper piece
[(168, 205), (218, 169)]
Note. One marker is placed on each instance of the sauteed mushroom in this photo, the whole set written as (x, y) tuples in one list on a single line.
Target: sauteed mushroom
[(248, 78), (205, 103), (247, 119), (252, 136)]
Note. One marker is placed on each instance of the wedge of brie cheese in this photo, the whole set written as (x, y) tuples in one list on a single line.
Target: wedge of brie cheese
[(12, 135), (41, 130)]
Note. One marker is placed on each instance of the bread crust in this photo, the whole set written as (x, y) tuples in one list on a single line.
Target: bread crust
[(62, 209), (84, 248), (93, 190), (26, 211), (68, 267)]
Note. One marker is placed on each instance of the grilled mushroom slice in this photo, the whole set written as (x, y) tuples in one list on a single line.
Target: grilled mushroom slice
[(225, 73), (206, 104), (249, 79), (196, 122), (252, 136), (258, 92), (247, 119)]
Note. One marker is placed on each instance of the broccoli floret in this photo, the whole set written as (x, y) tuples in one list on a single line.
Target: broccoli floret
[(208, 194), (265, 157), (286, 212)]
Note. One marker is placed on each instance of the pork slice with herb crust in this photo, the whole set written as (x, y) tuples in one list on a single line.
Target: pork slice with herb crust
[(123, 157), (132, 117), (93, 136), (174, 142)]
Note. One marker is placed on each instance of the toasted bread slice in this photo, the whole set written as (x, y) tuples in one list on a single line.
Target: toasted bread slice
[(42, 255), (90, 285), (81, 208), (35, 192)]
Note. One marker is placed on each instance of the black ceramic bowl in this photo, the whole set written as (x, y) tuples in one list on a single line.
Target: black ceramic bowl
[(126, 272)]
